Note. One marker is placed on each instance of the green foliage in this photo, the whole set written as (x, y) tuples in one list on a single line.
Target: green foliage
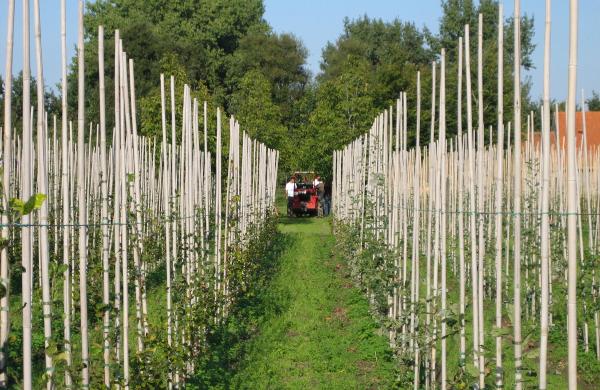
[(217, 47), (343, 110), (456, 14), (150, 104), (252, 106), (22, 208), (231, 58), (280, 58), (51, 101), (594, 102), (385, 57), (203, 35)]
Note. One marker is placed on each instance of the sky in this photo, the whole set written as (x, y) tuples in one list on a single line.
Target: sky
[(317, 22)]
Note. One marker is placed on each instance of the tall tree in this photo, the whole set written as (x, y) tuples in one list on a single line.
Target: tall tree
[(343, 110), (391, 51), (281, 59), (594, 102), (389, 55), (458, 13), (202, 34), (252, 105)]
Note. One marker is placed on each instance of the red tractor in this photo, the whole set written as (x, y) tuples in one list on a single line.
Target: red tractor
[(306, 200)]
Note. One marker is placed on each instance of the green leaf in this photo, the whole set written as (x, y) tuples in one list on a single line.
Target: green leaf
[(51, 350), (532, 354), (34, 203), (17, 205), (61, 356), (61, 269), (527, 340), (500, 332), (472, 370)]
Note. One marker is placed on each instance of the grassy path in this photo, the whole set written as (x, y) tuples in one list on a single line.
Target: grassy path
[(318, 332)]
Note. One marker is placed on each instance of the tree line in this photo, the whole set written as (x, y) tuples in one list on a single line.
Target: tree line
[(232, 58)]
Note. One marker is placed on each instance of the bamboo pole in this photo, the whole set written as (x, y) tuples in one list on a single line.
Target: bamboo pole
[(571, 198), (166, 206), (499, 193), (6, 181), (545, 208), (480, 203), (415, 255), (117, 195), (104, 212), (442, 152), (65, 195), (26, 173), (123, 218), (471, 176), (517, 196), (42, 175), (461, 243), (81, 201)]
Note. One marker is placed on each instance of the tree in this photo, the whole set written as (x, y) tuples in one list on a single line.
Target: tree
[(389, 54), (51, 102), (202, 34), (150, 104), (594, 102), (344, 109), (458, 13), (258, 115), (390, 50), (281, 58)]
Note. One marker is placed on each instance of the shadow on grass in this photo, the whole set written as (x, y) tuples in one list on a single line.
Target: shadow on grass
[(228, 343)]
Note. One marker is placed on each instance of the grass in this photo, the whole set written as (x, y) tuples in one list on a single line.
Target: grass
[(319, 332)]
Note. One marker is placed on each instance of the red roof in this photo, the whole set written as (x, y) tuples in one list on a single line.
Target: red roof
[(592, 126)]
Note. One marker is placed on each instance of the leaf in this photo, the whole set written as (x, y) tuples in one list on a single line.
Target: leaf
[(527, 340), (532, 354), (34, 203), (454, 307), (500, 332), (51, 350), (17, 205), (64, 356), (472, 370), (61, 269)]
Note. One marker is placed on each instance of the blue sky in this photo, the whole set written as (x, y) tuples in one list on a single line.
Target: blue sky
[(317, 22)]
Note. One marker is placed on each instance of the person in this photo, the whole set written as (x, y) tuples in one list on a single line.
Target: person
[(290, 187), (320, 188), (317, 181), (326, 205)]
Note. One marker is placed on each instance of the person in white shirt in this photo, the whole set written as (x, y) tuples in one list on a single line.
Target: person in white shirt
[(320, 190), (290, 187)]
